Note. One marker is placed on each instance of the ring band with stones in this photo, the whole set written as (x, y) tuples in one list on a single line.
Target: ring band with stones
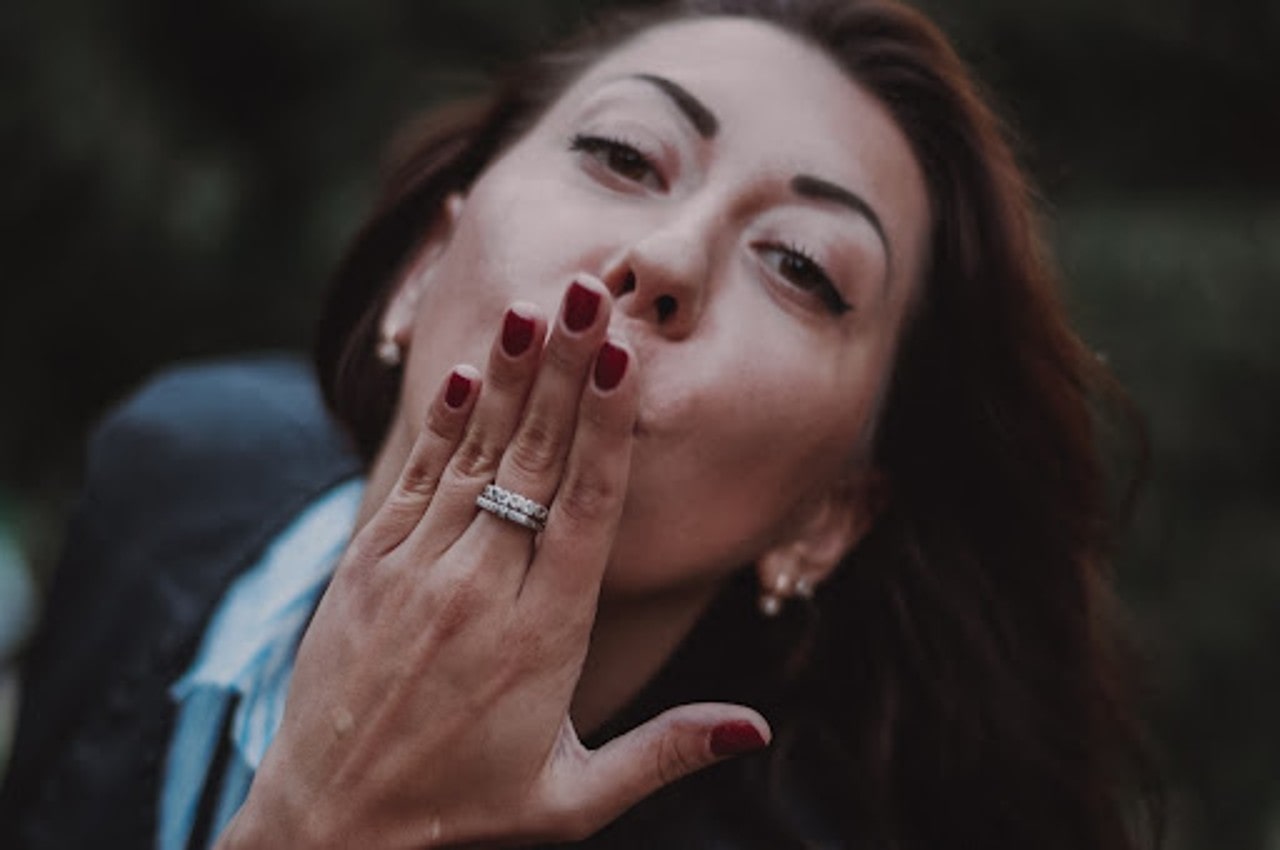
[(513, 507)]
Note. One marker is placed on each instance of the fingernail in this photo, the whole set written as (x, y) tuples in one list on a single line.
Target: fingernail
[(455, 395), (731, 739), (611, 365), (580, 307), (517, 334)]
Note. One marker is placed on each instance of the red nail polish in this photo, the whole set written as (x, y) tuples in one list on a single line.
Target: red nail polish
[(457, 391), (611, 365), (517, 334), (731, 739), (580, 307)]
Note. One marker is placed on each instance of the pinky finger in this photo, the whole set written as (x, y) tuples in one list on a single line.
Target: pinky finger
[(408, 500)]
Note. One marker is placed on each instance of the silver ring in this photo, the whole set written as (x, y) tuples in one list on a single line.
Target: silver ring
[(513, 507)]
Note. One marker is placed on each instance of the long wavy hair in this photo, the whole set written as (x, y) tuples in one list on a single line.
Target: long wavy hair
[(963, 669)]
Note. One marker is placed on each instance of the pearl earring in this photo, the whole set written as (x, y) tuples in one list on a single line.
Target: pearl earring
[(784, 587), (389, 352), (772, 598), (804, 588)]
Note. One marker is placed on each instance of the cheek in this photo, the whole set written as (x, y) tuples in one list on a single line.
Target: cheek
[(509, 245), (779, 433), (744, 452), (458, 317), (794, 401)]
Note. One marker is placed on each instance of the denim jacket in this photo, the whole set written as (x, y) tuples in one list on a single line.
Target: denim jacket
[(186, 483)]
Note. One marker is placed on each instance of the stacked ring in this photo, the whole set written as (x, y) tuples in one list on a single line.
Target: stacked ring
[(513, 507)]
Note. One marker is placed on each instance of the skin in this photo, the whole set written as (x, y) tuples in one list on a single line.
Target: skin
[(739, 434), (747, 361)]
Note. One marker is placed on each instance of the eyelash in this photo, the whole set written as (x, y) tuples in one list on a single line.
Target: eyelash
[(606, 148), (821, 287)]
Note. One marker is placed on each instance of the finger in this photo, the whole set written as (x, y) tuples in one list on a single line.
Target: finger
[(509, 373), (533, 462), (584, 516), (445, 424), (673, 745)]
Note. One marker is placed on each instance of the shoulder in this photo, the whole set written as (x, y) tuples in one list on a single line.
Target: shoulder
[(218, 429), (208, 450), (222, 410)]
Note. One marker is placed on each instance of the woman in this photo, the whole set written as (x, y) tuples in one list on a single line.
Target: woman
[(756, 308)]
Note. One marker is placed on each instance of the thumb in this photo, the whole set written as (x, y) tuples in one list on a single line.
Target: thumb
[(671, 746)]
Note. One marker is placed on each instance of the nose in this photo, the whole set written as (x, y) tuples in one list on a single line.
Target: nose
[(663, 277)]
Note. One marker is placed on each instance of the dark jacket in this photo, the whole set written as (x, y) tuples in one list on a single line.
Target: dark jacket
[(186, 483)]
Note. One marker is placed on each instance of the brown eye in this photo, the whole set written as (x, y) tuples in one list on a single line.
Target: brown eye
[(620, 158), (794, 265)]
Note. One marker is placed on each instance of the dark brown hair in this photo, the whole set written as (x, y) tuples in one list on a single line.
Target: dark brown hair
[(965, 670)]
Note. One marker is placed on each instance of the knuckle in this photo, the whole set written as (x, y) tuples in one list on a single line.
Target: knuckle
[(505, 377), (441, 428), (594, 416), (588, 496), (419, 479), (476, 458), (563, 358), (376, 539), (537, 449), (674, 759)]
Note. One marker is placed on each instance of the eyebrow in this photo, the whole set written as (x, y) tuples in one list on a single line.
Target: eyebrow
[(702, 118), (807, 186)]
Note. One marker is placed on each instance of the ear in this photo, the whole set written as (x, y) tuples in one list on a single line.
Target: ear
[(402, 309), (825, 532)]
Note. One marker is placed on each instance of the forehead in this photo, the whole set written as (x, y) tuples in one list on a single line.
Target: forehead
[(723, 50), (783, 106), (749, 69)]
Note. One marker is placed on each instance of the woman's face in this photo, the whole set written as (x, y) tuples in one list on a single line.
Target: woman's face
[(762, 225)]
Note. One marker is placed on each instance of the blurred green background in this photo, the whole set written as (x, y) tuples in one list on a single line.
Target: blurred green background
[(181, 176)]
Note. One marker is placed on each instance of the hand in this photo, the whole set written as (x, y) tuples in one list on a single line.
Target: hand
[(429, 705)]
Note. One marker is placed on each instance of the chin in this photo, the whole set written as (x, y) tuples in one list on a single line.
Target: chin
[(632, 581)]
